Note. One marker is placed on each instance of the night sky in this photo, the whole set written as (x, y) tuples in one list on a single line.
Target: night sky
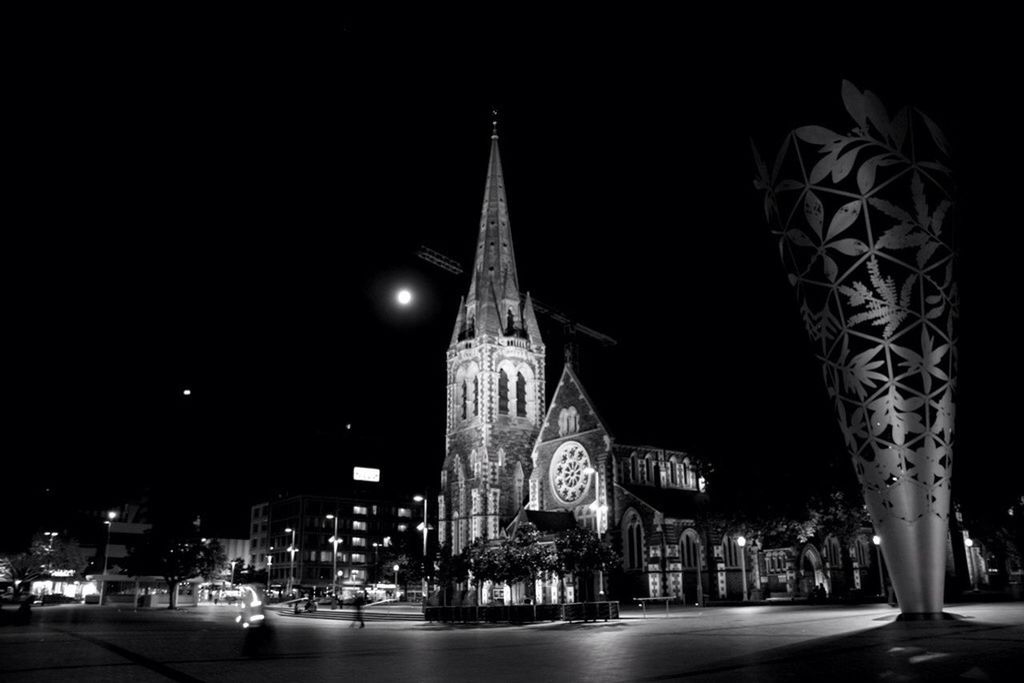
[(230, 205)]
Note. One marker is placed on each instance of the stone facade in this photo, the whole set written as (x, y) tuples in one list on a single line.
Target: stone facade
[(495, 386)]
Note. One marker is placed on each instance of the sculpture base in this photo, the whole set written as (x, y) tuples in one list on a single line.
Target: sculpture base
[(925, 616)]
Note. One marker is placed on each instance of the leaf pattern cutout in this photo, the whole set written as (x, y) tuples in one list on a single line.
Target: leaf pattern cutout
[(870, 208)]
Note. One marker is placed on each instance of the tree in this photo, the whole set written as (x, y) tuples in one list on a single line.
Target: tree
[(581, 552), (56, 553), (527, 556), (451, 569), (23, 569), (176, 556), (45, 554), (485, 561)]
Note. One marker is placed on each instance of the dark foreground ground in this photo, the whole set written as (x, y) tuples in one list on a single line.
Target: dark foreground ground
[(81, 643)]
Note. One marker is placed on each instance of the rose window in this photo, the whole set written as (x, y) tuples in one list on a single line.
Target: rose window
[(569, 476)]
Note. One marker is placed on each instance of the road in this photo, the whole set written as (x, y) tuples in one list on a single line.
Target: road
[(85, 643)]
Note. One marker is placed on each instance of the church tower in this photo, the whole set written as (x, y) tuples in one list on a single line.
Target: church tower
[(495, 393)]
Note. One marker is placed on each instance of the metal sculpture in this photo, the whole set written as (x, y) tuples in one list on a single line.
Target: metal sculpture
[(863, 223)]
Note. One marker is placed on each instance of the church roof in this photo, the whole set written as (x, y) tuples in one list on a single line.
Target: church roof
[(674, 503)]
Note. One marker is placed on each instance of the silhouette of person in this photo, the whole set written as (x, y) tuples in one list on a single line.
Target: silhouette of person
[(358, 602)]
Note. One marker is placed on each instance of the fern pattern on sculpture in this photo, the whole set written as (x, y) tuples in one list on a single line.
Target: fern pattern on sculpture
[(862, 221)]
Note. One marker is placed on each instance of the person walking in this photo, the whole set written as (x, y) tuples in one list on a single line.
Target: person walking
[(357, 601)]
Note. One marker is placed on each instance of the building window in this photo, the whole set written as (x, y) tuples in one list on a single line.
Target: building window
[(358, 558), (673, 473), (358, 509), (404, 512), (403, 527), (832, 554), (730, 552), (586, 518), (861, 548), (464, 399), (502, 392), (691, 551), (520, 395), (357, 575), (359, 525), (358, 541), (476, 395), (634, 537)]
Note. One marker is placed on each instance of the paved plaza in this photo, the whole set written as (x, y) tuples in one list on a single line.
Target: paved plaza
[(83, 643)]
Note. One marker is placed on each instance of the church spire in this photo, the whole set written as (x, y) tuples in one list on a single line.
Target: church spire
[(494, 289)]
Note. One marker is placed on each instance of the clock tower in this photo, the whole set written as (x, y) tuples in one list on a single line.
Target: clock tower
[(495, 385)]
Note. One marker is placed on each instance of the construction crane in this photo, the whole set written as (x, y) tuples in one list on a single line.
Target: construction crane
[(570, 327)]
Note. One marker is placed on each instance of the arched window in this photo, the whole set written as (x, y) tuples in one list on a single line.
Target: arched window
[(672, 471), (476, 395), (464, 398), (648, 470), (690, 549), (520, 395), (634, 541), (860, 547), (730, 552), (832, 554), (502, 392)]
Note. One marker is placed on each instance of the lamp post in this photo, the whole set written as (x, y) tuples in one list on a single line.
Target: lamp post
[(742, 543), (106, 551), (291, 549), (598, 509), (418, 498), (396, 581), (334, 565), (270, 565), (233, 563), (877, 540)]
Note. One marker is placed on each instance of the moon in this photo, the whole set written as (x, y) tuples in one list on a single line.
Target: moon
[(404, 297)]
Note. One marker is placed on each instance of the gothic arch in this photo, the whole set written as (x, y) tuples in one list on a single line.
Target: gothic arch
[(689, 549), (810, 569), (632, 540), (460, 393), (730, 551), (473, 389), (526, 393), (568, 421), (833, 551)]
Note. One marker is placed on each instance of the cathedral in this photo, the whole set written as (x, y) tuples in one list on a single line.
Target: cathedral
[(510, 458)]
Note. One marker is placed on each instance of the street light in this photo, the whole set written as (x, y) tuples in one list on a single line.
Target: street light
[(334, 566), (598, 509), (877, 540), (742, 542), (233, 563), (106, 551), (418, 498), (270, 565), (291, 549), (396, 581)]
